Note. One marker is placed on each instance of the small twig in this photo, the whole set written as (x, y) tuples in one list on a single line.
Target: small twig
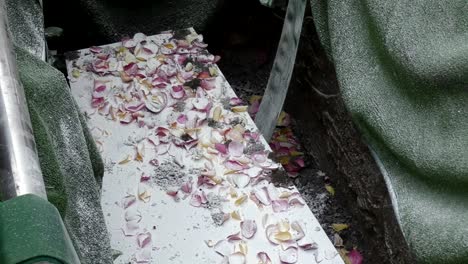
[(326, 96)]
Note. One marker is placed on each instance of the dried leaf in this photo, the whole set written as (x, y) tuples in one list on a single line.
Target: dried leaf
[(339, 227), (330, 189), (241, 200), (236, 215), (126, 160)]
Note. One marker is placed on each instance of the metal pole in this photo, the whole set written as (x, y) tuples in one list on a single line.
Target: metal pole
[(20, 172), (280, 76)]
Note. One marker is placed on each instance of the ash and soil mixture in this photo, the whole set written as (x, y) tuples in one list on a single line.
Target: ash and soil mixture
[(247, 47)]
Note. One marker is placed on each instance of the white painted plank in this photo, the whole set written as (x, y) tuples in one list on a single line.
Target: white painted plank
[(178, 230)]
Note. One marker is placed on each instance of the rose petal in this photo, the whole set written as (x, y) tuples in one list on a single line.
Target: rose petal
[(263, 258), (144, 239), (234, 165), (248, 228), (156, 102), (128, 201), (131, 228), (208, 83), (280, 205), (236, 149), (307, 244), (187, 187), (177, 92), (253, 171), (198, 199), (271, 231), (221, 148), (132, 215), (201, 104), (182, 119), (96, 49), (296, 200), (143, 256), (131, 69), (237, 258), (134, 106), (224, 248), (262, 196), (289, 255), (234, 237), (299, 231), (100, 90), (240, 180), (355, 257)]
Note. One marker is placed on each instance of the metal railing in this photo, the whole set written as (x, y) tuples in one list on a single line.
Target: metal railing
[(20, 171)]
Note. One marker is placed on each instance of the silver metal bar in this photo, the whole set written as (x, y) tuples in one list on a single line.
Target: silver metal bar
[(20, 172), (280, 76)]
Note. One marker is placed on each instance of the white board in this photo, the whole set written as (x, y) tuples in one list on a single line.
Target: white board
[(180, 232)]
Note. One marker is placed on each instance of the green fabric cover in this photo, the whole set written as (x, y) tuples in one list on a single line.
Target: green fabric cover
[(70, 162), (402, 68)]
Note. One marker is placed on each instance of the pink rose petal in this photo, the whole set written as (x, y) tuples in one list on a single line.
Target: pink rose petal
[(289, 255), (355, 257), (131, 228), (156, 103), (236, 149), (224, 248), (187, 187), (253, 171), (198, 199), (128, 200), (234, 237), (100, 89), (134, 106), (270, 232), (182, 119), (237, 258), (177, 92), (144, 239), (296, 200), (280, 205), (208, 83), (298, 231), (234, 165), (95, 49), (262, 196), (131, 69), (132, 215), (307, 244), (263, 258), (248, 228), (143, 256), (221, 148), (240, 180), (201, 104)]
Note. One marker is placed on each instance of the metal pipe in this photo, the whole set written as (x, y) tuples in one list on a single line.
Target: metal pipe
[(20, 172)]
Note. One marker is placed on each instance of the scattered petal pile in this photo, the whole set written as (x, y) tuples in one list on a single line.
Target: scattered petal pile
[(170, 87), (283, 142)]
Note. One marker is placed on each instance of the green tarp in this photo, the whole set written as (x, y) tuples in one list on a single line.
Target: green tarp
[(402, 67)]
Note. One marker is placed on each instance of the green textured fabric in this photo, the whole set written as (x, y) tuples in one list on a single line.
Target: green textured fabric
[(70, 162), (402, 68)]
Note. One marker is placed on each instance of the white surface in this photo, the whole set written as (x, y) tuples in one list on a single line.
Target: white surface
[(180, 229)]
